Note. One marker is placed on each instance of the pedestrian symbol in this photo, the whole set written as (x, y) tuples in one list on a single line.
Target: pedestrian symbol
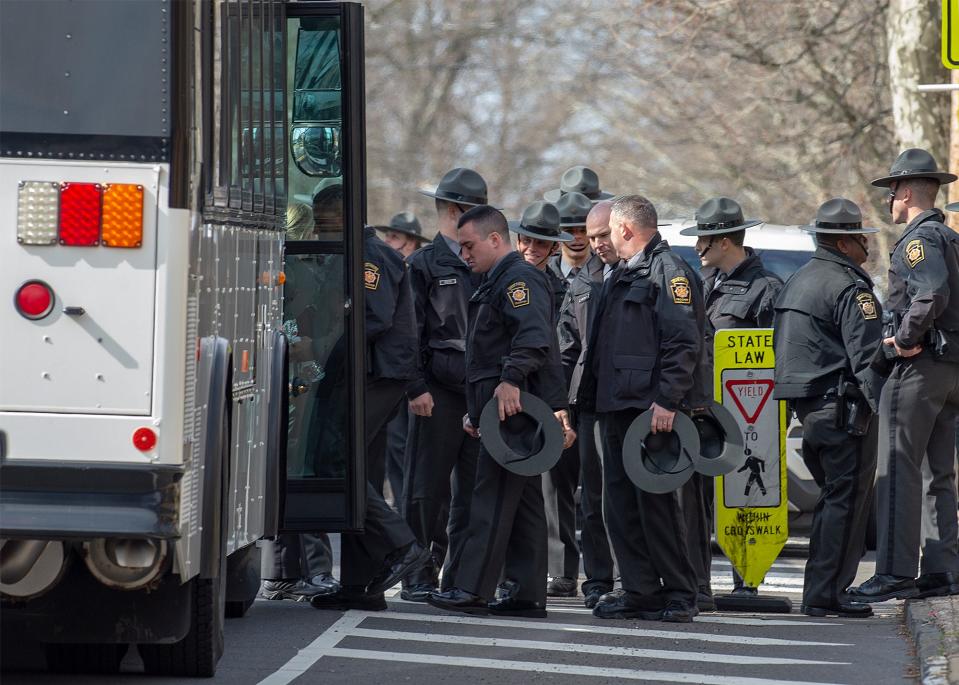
[(751, 507)]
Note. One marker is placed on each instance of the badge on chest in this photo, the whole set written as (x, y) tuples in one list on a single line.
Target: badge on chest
[(371, 276)]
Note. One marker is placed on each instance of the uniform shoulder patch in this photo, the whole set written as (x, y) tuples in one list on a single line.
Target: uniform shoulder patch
[(867, 305), (915, 253), (679, 287), (518, 294), (371, 276)]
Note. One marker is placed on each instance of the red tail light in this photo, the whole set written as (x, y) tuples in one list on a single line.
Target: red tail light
[(34, 300), (80, 214), (144, 439)]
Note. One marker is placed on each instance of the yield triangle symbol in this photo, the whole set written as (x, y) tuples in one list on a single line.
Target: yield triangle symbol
[(750, 396)]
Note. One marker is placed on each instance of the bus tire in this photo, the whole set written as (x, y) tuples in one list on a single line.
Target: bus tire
[(198, 654), (84, 658)]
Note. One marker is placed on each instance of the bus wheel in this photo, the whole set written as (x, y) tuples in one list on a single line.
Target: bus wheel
[(84, 658), (196, 654)]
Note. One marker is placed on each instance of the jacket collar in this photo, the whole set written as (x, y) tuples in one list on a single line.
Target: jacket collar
[(444, 255), (827, 255), (928, 215)]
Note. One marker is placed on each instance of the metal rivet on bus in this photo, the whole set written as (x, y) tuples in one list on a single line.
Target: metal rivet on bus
[(66, 74), (47, 339), (66, 111), (45, 375), (99, 376), (69, 36)]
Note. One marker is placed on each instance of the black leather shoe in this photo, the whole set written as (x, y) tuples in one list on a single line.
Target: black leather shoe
[(593, 596), (622, 604), (677, 612), (350, 597), (326, 582), (417, 593), (459, 600), (879, 588), (937, 584), (842, 610), (506, 589), (397, 566), (704, 599), (517, 607), (561, 587), (295, 590)]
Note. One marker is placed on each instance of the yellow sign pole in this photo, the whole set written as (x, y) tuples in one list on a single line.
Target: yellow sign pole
[(752, 513)]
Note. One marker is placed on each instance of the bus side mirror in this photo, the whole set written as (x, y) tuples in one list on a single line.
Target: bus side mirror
[(316, 149)]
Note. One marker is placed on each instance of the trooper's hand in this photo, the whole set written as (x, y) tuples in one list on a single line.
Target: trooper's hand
[(507, 397), (422, 405), (569, 435), (468, 427), (662, 419), (904, 352)]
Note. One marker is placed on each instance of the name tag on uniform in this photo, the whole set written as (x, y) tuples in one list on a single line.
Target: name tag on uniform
[(447, 281), (583, 298)]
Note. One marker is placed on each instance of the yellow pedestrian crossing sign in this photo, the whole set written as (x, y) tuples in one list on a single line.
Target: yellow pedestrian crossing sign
[(950, 33), (752, 512)]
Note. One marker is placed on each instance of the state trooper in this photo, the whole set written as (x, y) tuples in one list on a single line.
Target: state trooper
[(916, 489), (433, 505), (644, 351), (511, 346), (575, 319), (405, 235), (827, 329), (387, 551), (739, 293)]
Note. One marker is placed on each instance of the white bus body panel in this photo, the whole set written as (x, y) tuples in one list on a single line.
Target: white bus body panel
[(120, 365)]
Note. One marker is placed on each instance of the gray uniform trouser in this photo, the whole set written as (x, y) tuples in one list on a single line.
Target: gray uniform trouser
[(384, 530), (439, 479), (397, 432), (844, 467), (506, 536), (559, 496), (697, 512), (648, 531), (293, 556), (917, 433), (597, 557)]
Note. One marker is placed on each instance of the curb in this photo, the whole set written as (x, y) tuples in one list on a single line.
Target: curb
[(934, 626)]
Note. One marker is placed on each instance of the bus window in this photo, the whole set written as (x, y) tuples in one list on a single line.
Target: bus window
[(316, 120)]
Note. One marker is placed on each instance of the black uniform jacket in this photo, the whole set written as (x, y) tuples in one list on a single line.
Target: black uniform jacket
[(390, 322), (442, 287), (511, 336), (924, 282), (647, 340), (745, 298), (575, 318), (828, 325)]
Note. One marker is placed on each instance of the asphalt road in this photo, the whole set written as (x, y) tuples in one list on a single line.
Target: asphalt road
[(284, 642)]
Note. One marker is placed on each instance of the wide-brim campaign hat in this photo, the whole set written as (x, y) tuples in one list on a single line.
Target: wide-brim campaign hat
[(839, 216), (573, 209), (460, 186), (914, 163), (405, 222), (721, 443), (528, 443), (660, 462), (541, 220), (578, 179), (719, 215)]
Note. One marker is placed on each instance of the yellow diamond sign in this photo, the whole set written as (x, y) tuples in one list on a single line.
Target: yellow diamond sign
[(950, 33)]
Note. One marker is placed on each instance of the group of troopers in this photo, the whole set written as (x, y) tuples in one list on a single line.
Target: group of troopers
[(591, 323)]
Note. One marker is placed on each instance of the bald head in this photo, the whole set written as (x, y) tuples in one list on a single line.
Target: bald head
[(597, 230)]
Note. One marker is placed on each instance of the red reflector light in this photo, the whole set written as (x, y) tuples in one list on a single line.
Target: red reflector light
[(144, 439), (34, 300), (80, 214)]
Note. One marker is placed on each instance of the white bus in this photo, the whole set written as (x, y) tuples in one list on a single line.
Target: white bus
[(147, 153)]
